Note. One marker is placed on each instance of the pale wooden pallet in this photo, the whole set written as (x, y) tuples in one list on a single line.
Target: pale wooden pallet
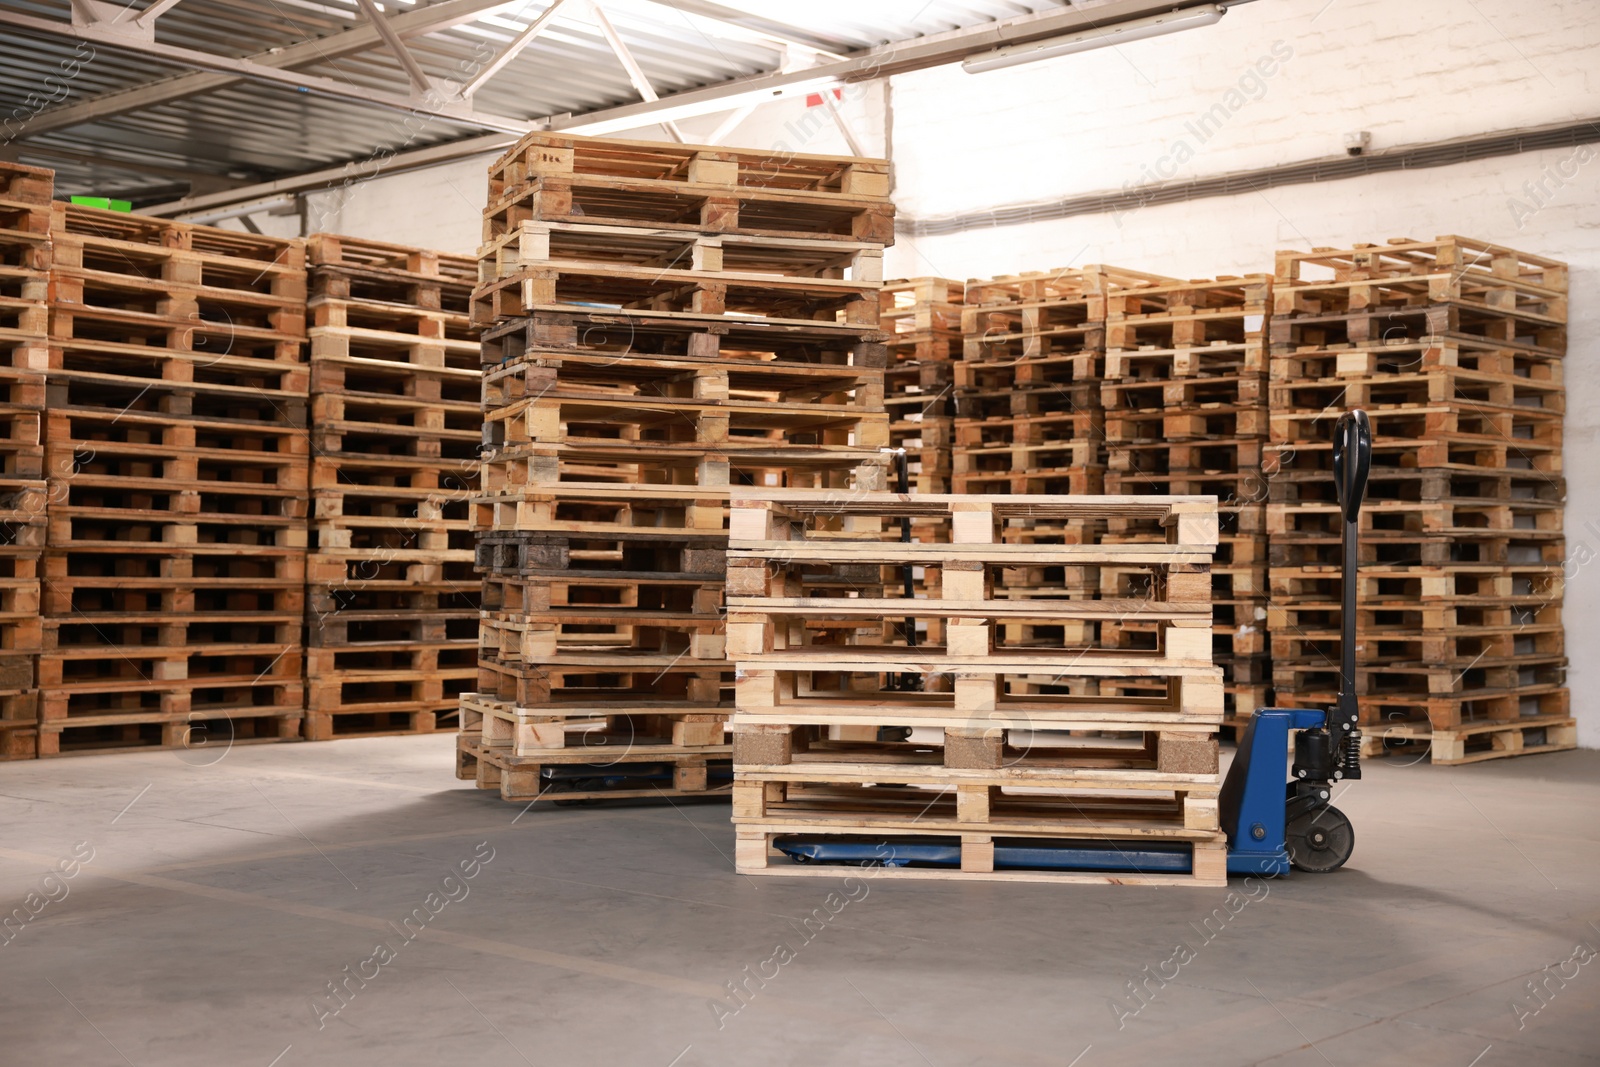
[(1466, 743)]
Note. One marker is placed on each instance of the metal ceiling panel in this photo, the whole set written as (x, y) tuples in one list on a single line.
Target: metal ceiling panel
[(146, 145)]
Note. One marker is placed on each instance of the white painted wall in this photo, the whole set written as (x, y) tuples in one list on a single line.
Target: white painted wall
[(1282, 82)]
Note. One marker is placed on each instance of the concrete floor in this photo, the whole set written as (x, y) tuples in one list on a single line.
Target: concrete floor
[(226, 890)]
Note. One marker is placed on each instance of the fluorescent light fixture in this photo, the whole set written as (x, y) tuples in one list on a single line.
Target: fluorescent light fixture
[(1100, 37)]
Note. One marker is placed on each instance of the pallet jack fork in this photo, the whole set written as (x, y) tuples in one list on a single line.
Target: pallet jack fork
[(1269, 829)]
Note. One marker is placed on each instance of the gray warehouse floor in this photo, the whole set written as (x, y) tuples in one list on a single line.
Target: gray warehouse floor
[(201, 907)]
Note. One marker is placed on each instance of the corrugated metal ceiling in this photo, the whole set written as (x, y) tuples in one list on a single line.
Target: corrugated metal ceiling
[(250, 131)]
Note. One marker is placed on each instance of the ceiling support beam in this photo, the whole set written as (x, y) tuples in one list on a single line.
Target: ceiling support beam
[(197, 180), (148, 16), (512, 49), (332, 178), (917, 54), (419, 78), (635, 72), (730, 123), (777, 31), (457, 112), (845, 131), (412, 23)]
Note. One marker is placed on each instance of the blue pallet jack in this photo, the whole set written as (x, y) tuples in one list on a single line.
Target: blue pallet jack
[(1269, 829)]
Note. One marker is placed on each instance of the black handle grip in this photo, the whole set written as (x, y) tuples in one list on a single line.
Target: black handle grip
[(1352, 460)]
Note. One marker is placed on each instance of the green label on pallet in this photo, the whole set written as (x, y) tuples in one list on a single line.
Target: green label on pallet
[(104, 203)]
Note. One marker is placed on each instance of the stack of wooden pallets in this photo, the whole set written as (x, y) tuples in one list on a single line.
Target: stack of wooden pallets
[(1185, 396), (1454, 347), (176, 455), (983, 748), (392, 613), (661, 323), (1028, 410), (24, 355), (922, 317)]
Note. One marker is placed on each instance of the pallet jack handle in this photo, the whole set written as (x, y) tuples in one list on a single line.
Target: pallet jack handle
[(1352, 462), (1323, 756)]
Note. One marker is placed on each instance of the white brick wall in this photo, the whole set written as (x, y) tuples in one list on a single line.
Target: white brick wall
[(1412, 72)]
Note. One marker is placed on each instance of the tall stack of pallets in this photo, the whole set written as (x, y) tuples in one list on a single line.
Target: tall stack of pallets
[(392, 614), (1454, 347), (1185, 396), (176, 456), (661, 323), (1028, 409), (24, 354), (922, 317), (830, 741)]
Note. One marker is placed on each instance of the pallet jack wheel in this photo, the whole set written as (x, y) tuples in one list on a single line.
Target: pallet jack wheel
[(1320, 841)]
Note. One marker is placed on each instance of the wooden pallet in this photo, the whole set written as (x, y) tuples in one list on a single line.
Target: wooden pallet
[(1221, 359), (1179, 299), (1062, 398), (647, 555), (695, 773), (1416, 271), (202, 734), (387, 260), (26, 185), (1062, 283), (1529, 367), (1066, 334), (922, 308), (566, 285), (1407, 532), (713, 423), (652, 682), (598, 730), (104, 296), (1199, 455), (1151, 394), (1403, 256), (539, 245), (221, 252), (1387, 695), (1444, 586), (693, 187), (1396, 324), (690, 206), (1487, 638), (1407, 386), (681, 336), (1236, 316), (238, 686), (394, 687), (1475, 742), (542, 154)]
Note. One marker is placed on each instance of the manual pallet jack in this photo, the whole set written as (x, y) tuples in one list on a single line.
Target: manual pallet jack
[(1268, 831)]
